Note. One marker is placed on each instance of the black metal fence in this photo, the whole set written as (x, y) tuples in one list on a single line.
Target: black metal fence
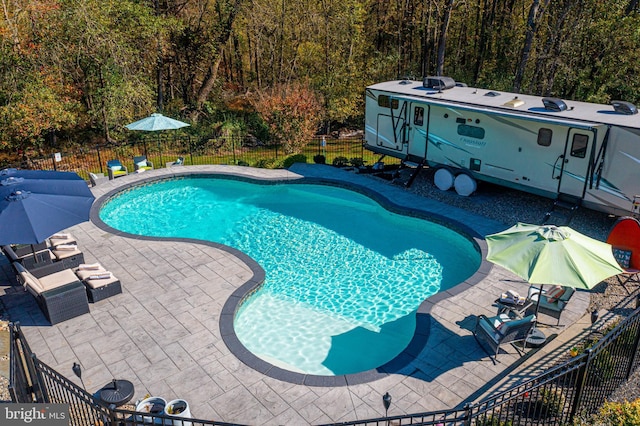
[(573, 389), (224, 150)]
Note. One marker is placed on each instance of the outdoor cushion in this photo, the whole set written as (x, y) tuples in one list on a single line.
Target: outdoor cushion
[(554, 293), (116, 168), (97, 283), (63, 254), (29, 281), (58, 279), (142, 163), (497, 322), (60, 241), (623, 257)]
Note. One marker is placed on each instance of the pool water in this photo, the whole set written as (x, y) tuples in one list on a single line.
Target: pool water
[(344, 276)]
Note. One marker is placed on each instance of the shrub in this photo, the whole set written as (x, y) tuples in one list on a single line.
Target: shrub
[(297, 158), (357, 162), (319, 159), (492, 421), (242, 163), (553, 400), (619, 414), (340, 161), (292, 112), (266, 163), (603, 367)]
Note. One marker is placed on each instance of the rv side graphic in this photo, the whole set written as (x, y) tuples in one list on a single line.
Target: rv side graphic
[(546, 146)]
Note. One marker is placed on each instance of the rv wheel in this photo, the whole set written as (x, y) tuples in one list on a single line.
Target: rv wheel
[(443, 179), (465, 185)]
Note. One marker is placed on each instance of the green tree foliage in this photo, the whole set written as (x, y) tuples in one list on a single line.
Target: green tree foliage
[(35, 98), (74, 66)]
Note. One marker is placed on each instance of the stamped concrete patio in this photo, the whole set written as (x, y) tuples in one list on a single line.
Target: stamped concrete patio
[(163, 332)]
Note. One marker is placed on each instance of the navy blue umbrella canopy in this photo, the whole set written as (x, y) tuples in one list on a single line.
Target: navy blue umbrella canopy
[(38, 174), (32, 210)]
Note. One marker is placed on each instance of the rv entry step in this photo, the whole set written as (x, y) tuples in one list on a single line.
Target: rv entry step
[(562, 211)]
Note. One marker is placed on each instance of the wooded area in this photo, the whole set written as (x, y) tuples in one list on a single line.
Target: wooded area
[(74, 72)]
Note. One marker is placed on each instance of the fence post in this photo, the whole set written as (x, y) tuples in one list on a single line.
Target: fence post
[(468, 412), (190, 149), (99, 159), (233, 148), (582, 376), (634, 354)]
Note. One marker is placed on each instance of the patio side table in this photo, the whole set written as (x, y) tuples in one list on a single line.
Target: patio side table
[(517, 310), (116, 392)]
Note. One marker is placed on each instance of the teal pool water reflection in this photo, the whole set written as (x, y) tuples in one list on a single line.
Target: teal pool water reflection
[(344, 276)]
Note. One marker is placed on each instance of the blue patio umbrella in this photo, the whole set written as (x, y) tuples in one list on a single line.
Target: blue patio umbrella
[(156, 122), (38, 174), (32, 210)]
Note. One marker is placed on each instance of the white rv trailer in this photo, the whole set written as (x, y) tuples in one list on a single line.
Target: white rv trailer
[(546, 146)]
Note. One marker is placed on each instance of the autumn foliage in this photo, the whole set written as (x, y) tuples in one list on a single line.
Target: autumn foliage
[(293, 113)]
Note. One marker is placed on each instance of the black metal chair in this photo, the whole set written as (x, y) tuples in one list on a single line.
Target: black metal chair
[(501, 329)]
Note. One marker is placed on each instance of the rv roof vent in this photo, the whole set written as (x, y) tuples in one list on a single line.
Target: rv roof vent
[(458, 84), (492, 94), (554, 104), (439, 83), (623, 107)]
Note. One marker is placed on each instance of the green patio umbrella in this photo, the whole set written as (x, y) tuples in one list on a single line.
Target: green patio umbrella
[(548, 254)]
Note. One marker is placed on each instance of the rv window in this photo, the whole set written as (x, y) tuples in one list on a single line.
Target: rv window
[(579, 145), (385, 101), (544, 137), (418, 116), (471, 131)]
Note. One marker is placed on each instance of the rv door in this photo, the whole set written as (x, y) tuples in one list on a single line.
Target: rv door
[(419, 116), (576, 162)]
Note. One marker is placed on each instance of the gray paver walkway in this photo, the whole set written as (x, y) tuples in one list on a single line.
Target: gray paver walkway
[(163, 333)]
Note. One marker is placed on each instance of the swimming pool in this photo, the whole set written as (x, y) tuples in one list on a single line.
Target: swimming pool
[(344, 276)]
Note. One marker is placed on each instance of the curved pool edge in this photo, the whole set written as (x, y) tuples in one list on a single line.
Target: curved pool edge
[(227, 315)]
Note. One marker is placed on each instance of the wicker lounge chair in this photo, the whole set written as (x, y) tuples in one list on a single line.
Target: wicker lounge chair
[(141, 163), (550, 306), (501, 329), (60, 295), (98, 282), (116, 169), (179, 162), (69, 254), (26, 257)]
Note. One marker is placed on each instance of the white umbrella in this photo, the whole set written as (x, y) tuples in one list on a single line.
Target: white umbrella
[(156, 122)]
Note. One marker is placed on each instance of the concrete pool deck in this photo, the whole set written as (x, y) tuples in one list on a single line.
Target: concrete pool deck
[(163, 332)]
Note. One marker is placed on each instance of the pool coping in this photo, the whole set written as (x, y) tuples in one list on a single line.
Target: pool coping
[(404, 358)]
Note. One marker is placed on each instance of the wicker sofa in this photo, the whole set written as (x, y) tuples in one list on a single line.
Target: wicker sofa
[(60, 295)]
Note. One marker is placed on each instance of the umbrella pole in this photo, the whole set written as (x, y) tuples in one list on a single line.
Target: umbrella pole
[(537, 337)]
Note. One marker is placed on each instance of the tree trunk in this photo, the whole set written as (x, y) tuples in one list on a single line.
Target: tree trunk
[(443, 37), (532, 23), (210, 79)]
